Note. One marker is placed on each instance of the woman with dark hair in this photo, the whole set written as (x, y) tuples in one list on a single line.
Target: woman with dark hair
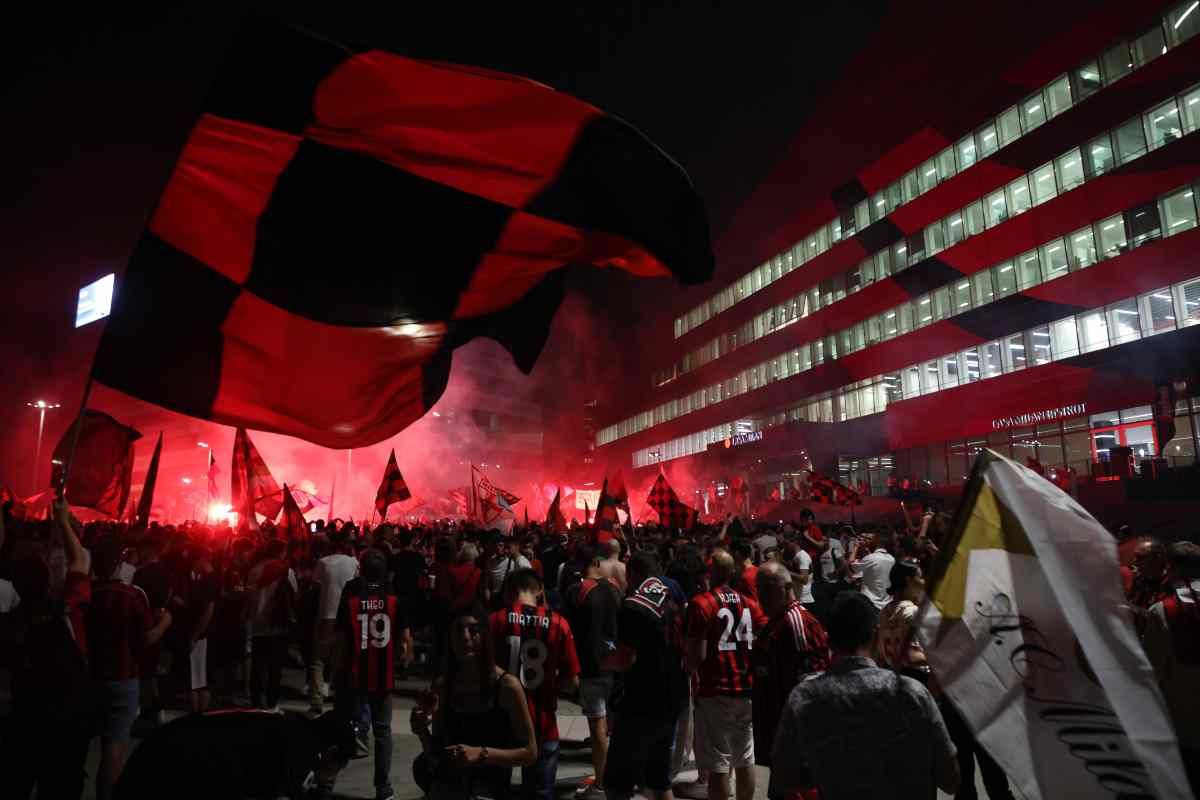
[(474, 726), (897, 647)]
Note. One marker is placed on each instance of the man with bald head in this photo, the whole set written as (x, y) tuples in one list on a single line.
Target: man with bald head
[(721, 626), (792, 647)]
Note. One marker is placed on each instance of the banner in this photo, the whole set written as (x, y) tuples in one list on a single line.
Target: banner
[(587, 497), (1027, 629)]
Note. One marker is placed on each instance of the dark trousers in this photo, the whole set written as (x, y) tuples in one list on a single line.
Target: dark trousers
[(969, 750), (538, 779), (371, 710), (267, 657)]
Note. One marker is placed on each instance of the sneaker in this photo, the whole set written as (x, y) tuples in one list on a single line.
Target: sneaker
[(592, 792), (386, 794)]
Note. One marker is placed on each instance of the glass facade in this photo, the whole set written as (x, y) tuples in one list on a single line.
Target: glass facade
[(1048, 262), (1147, 314), (1175, 27), (1059, 175)]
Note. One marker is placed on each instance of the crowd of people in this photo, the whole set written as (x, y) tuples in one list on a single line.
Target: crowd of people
[(786, 646)]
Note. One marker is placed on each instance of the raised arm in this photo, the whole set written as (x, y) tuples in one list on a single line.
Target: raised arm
[(76, 560)]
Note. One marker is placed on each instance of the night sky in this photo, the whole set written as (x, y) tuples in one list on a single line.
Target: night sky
[(100, 100)]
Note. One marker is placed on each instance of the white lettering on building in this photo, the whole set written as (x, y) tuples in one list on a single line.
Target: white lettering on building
[(1037, 417)]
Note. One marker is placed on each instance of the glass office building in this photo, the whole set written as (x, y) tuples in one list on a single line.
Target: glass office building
[(1009, 257)]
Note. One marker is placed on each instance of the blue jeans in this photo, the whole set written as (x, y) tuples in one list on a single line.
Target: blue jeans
[(374, 710), (537, 780)]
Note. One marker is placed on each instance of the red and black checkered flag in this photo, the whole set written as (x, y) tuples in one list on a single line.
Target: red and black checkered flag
[(341, 221), (392, 489), (671, 511), (291, 526), (605, 520), (823, 489), (252, 488)]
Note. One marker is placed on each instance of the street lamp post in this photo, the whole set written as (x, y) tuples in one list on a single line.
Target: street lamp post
[(42, 406), (207, 467)]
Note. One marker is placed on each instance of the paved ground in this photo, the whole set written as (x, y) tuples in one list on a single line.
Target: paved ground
[(356, 780)]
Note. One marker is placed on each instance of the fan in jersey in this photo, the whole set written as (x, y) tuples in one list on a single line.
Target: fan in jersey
[(369, 618), (237, 753), (721, 623), (536, 644)]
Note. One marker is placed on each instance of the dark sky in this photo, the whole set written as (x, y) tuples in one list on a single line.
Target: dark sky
[(100, 99)]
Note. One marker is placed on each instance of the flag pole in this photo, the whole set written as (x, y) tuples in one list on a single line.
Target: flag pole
[(66, 475)]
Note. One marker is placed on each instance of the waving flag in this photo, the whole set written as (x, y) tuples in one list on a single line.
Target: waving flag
[(251, 487), (1027, 628), (292, 525), (392, 489), (605, 522), (103, 466), (672, 512), (146, 500), (213, 472), (823, 489), (375, 212), (555, 520)]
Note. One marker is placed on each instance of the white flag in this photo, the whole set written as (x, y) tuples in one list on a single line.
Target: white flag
[(1026, 628)]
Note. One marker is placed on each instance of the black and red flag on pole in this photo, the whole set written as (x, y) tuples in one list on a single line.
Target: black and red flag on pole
[(103, 465), (823, 489), (251, 485), (605, 523), (291, 526), (146, 501), (342, 220), (672, 512), (555, 520), (392, 489)]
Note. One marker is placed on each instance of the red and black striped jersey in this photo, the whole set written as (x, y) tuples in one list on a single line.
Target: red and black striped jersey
[(536, 644), (727, 620), (370, 614)]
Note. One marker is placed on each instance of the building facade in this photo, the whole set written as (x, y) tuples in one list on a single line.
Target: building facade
[(1008, 258)]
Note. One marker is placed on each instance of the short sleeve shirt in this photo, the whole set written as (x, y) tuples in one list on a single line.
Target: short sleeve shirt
[(804, 561), (536, 644), (727, 620)]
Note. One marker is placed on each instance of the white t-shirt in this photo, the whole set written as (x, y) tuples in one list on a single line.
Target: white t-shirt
[(332, 574), (9, 599), (876, 571), (827, 565), (804, 561), (496, 573)]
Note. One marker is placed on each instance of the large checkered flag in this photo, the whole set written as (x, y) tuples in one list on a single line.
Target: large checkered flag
[(671, 511), (823, 489), (392, 488), (372, 213)]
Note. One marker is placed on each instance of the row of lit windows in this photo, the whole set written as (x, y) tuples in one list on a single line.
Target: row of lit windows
[(1160, 125), (1149, 314), (1178, 25), (1172, 213)]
